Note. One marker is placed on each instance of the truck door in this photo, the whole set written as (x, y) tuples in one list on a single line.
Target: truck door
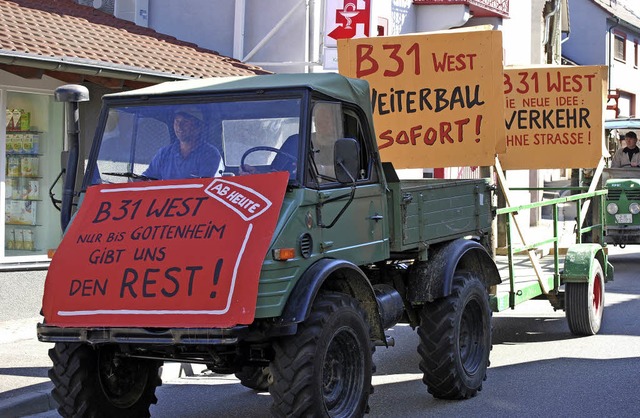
[(360, 233)]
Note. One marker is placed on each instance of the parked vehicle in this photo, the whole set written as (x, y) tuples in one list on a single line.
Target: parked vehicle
[(352, 251)]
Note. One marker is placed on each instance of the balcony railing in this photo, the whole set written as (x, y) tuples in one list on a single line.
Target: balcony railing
[(479, 8)]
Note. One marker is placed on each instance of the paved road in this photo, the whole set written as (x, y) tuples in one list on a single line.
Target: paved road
[(537, 368)]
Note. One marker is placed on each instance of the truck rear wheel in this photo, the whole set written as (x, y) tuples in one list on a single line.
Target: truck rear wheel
[(255, 377), (455, 339), (584, 303), (98, 382), (325, 369)]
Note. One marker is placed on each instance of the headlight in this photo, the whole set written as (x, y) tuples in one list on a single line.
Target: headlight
[(634, 208), (612, 208)]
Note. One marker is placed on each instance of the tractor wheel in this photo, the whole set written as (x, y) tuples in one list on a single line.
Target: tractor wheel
[(584, 303), (254, 377), (325, 369), (455, 339), (98, 382)]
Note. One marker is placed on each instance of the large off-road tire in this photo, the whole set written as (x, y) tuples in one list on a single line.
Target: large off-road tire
[(325, 369), (96, 382), (255, 377), (455, 339), (584, 303)]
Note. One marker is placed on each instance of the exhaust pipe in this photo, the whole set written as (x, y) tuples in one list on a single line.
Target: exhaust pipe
[(71, 94)]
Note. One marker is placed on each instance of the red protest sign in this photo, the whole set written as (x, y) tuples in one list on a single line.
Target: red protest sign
[(182, 253)]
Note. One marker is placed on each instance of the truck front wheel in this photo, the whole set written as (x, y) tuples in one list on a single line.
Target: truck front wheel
[(325, 369), (101, 382), (455, 339)]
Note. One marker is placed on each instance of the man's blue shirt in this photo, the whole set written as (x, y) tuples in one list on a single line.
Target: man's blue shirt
[(203, 161)]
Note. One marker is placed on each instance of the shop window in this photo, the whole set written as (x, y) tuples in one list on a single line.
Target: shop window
[(33, 139)]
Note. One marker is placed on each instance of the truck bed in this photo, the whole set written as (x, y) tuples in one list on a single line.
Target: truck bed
[(429, 211)]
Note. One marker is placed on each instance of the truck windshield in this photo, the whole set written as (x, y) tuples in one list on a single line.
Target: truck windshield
[(186, 140)]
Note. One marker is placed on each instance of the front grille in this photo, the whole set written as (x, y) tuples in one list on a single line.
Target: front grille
[(614, 194), (633, 194)]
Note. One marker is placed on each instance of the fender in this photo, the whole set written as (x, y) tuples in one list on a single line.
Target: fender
[(432, 279), (578, 263), (347, 278)]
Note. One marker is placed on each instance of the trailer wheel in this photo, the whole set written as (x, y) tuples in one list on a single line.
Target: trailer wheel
[(584, 303), (255, 377), (455, 339), (100, 382), (325, 369)]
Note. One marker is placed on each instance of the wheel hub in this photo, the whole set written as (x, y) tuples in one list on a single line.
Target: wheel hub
[(470, 339), (341, 376), (121, 379)]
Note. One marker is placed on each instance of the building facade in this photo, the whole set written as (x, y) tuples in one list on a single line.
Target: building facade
[(43, 46), (606, 32)]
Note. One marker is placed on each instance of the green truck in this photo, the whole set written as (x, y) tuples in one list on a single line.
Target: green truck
[(622, 219), (354, 251)]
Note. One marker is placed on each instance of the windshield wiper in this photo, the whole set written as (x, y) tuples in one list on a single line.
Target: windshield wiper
[(131, 175)]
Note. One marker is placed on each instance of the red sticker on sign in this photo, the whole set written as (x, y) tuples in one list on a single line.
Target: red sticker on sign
[(181, 253)]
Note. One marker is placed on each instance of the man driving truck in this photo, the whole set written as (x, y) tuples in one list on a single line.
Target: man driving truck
[(190, 156), (628, 156)]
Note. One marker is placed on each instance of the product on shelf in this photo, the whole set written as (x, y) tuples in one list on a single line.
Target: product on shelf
[(16, 142), (9, 120), (27, 239), (33, 188), (18, 120), (11, 239), (20, 212), (11, 188), (29, 166), (19, 242), (30, 143), (13, 166)]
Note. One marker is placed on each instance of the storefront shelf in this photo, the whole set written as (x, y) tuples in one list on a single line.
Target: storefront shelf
[(26, 154)]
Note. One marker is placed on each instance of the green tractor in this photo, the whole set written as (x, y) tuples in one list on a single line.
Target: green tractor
[(622, 216)]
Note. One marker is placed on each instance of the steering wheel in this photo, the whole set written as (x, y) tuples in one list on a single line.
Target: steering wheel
[(287, 164)]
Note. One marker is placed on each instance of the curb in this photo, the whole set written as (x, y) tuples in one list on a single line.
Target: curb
[(27, 404), (40, 401)]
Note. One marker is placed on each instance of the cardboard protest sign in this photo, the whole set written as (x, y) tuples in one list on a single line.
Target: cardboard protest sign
[(182, 253), (554, 117), (436, 97)]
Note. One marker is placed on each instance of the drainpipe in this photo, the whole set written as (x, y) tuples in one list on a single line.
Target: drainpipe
[(547, 29), (238, 29), (610, 52)]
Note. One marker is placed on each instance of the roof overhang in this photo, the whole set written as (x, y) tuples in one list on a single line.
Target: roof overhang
[(76, 70), (479, 8)]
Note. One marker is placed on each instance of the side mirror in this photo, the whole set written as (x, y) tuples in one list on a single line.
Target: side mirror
[(347, 160)]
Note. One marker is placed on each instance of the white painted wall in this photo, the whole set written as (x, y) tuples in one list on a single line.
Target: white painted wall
[(206, 23), (518, 34)]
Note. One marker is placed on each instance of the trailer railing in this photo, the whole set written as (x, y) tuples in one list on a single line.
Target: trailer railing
[(548, 286)]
